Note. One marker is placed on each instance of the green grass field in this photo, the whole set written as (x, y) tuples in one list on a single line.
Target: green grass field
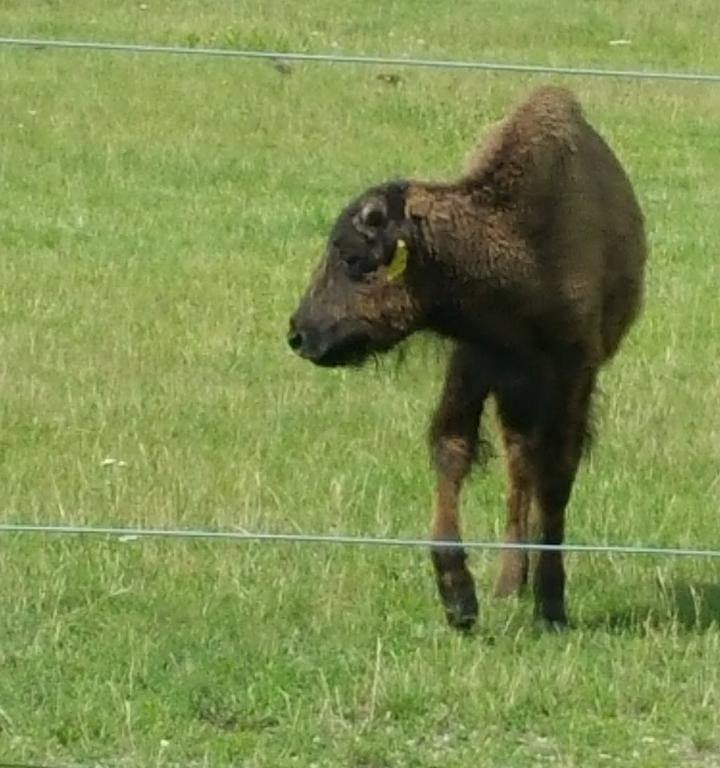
[(159, 217)]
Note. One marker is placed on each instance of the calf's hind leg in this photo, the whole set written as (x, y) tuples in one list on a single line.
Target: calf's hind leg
[(559, 454), (514, 563), (454, 440), (523, 396)]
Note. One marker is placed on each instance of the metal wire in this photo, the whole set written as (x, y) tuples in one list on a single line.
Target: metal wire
[(129, 534), (394, 61)]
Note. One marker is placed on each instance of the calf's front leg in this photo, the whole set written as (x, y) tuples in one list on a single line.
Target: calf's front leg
[(454, 441)]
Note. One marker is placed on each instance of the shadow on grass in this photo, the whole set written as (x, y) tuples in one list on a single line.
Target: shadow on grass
[(692, 606), (697, 605)]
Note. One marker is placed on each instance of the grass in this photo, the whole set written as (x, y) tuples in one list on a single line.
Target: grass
[(159, 219)]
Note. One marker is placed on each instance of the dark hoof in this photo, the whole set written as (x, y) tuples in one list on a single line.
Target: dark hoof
[(552, 617), (456, 588), (552, 627)]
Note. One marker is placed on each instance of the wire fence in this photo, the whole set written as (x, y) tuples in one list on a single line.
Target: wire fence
[(131, 534), (332, 58)]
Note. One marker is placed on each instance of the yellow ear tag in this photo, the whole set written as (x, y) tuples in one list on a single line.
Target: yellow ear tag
[(399, 261)]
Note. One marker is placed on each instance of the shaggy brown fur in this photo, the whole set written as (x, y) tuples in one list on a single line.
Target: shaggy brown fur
[(533, 262)]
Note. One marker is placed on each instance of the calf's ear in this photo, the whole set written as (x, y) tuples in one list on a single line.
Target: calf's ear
[(374, 214), (371, 217)]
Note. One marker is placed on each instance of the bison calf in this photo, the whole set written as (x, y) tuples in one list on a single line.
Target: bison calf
[(533, 263)]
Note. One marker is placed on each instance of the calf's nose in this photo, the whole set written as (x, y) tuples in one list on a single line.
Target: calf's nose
[(296, 339)]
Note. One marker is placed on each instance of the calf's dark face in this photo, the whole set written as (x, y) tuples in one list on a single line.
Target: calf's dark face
[(360, 300)]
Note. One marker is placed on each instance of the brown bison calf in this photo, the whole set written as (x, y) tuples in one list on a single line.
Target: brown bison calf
[(533, 263)]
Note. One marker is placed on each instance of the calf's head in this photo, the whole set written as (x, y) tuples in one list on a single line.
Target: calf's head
[(361, 300)]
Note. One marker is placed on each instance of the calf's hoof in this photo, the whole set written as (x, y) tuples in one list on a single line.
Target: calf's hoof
[(552, 627), (456, 588), (552, 616)]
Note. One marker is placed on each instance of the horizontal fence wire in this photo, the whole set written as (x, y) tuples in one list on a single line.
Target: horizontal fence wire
[(332, 58), (130, 534)]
